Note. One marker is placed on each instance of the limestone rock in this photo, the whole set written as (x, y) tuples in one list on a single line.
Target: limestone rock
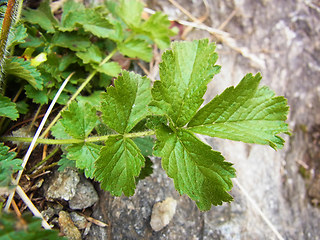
[(162, 213)]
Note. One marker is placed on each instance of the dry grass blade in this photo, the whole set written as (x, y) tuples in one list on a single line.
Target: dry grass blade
[(36, 136)]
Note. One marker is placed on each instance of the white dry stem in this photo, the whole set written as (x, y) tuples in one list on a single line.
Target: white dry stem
[(252, 201), (36, 136), (32, 208)]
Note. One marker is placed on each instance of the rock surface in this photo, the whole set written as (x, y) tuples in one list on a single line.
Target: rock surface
[(85, 195), (281, 40)]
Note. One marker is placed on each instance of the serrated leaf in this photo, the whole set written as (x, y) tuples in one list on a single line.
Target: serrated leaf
[(136, 48), (196, 169), (245, 113), (79, 120), (145, 144), (8, 108), (22, 107), (69, 17), (58, 131), (90, 55), (71, 40), (185, 72), (126, 103), (130, 12), (41, 16), (8, 165), (85, 155), (37, 96), (23, 69), (118, 165), (25, 227), (157, 28), (64, 163), (147, 170), (110, 68), (94, 99), (18, 36)]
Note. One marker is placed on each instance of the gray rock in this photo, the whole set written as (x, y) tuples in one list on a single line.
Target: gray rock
[(62, 185), (85, 195), (80, 221)]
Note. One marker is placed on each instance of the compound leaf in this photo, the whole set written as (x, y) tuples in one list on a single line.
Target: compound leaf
[(85, 155), (37, 96), (125, 104), (185, 72), (8, 165), (23, 69), (244, 113), (196, 169), (79, 120), (118, 165)]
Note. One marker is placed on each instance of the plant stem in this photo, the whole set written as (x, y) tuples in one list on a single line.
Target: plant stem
[(5, 30), (53, 152), (74, 140)]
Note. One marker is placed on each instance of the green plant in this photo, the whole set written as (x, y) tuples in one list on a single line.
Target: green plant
[(170, 110), (107, 133)]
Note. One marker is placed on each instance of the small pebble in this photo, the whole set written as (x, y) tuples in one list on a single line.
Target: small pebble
[(162, 213)]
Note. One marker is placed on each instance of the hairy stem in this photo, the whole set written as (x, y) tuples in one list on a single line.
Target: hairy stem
[(5, 30), (74, 140)]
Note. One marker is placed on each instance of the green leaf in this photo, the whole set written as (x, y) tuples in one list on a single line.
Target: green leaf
[(85, 155), (147, 170), (130, 12), (126, 103), (59, 132), (245, 113), (94, 99), (22, 107), (69, 16), (23, 69), (41, 16), (118, 165), (196, 169), (91, 55), (19, 34), (8, 165), (37, 96), (8, 108), (145, 145), (110, 68), (73, 41), (26, 227), (157, 28), (185, 72), (64, 163), (79, 120), (136, 48)]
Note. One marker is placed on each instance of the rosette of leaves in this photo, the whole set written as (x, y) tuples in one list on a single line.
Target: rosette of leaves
[(171, 110)]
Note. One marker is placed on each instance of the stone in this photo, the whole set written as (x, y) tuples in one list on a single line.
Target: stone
[(67, 226), (79, 220), (63, 185), (162, 213), (85, 195)]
